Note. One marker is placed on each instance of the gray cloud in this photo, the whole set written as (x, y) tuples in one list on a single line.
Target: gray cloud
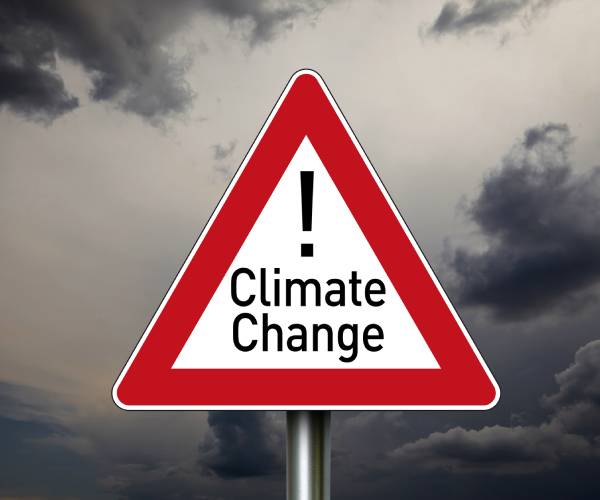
[(571, 432), (223, 151), (265, 18), (184, 482), (29, 84), (123, 46), (496, 450), (576, 405), (120, 45), (27, 404), (477, 14), (221, 155), (170, 483), (42, 457), (33, 457), (540, 222), (242, 444)]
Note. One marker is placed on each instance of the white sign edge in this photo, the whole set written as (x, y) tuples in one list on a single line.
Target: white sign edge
[(207, 227)]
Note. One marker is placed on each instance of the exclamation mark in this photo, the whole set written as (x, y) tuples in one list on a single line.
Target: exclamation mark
[(306, 189)]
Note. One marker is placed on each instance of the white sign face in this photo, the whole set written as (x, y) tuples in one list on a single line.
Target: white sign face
[(371, 329)]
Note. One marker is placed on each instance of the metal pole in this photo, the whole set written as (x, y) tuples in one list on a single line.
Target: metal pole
[(308, 455)]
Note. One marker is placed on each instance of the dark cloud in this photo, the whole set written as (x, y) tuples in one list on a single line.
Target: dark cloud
[(29, 84), (495, 450), (123, 46), (576, 405), (242, 444), (540, 222), (24, 403), (120, 45), (174, 483), (42, 455), (184, 482), (571, 432), (34, 460), (265, 18), (555, 134), (360, 437), (475, 14)]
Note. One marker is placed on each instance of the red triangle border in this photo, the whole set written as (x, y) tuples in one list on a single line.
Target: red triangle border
[(306, 108)]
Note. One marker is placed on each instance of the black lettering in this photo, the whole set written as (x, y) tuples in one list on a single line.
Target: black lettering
[(301, 337), (266, 328), (328, 329), (353, 346), (236, 333), (368, 337), (302, 284), (379, 291), (354, 282), (276, 288), (340, 292), (263, 287), (234, 293)]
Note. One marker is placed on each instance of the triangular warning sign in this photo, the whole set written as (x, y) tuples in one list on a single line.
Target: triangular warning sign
[(306, 290)]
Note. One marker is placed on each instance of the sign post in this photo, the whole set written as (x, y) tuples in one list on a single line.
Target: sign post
[(308, 455), (306, 292)]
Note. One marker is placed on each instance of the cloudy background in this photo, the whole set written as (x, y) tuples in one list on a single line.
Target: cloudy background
[(121, 123)]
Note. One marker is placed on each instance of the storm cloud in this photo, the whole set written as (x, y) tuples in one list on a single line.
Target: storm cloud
[(124, 47), (496, 450), (576, 405), (571, 432), (242, 444), (539, 219), (37, 443), (477, 14), (49, 447)]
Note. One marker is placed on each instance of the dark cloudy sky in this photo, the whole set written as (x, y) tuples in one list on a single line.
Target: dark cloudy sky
[(121, 123)]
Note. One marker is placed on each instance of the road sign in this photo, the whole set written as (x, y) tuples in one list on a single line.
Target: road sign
[(306, 290)]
